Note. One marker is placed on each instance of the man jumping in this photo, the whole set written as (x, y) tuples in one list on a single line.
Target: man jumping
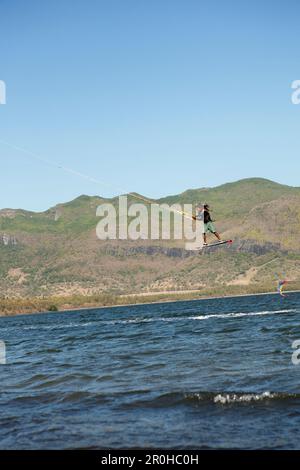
[(202, 213)]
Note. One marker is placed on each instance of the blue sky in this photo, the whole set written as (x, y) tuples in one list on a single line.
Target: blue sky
[(150, 96)]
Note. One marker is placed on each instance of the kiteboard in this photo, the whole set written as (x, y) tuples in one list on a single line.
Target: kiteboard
[(223, 242)]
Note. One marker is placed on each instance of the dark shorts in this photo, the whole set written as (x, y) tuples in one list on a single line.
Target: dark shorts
[(209, 227)]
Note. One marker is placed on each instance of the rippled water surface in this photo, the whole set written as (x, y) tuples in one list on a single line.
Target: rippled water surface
[(201, 374)]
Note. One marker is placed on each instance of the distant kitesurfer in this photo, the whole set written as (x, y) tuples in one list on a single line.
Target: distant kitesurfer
[(280, 286), (202, 213)]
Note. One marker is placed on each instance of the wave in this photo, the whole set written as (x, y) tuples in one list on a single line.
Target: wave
[(212, 398), (224, 399), (242, 397), (241, 314), (128, 399), (157, 319)]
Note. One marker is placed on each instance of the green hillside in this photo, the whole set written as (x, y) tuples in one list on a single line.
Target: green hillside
[(236, 200), (57, 253)]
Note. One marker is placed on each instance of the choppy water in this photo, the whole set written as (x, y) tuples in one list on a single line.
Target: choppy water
[(200, 374)]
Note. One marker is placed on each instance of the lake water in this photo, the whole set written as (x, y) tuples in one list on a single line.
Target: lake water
[(199, 374)]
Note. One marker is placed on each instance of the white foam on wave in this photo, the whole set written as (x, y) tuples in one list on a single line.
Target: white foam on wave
[(202, 317), (239, 314), (158, 319), (227, 398), (57, 326)]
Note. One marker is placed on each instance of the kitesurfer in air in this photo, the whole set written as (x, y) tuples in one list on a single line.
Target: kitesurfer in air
[(280, 286), (202, 213)]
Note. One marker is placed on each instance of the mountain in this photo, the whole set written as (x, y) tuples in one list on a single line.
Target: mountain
[(56, 252)]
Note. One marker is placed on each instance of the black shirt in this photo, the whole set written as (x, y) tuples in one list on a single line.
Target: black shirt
[(207, 217)]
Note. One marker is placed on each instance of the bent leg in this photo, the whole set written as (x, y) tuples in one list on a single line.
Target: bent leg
[(216, 234)]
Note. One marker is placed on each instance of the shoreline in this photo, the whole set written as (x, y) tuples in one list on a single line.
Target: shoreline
[(177, 300), (147, 302)]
